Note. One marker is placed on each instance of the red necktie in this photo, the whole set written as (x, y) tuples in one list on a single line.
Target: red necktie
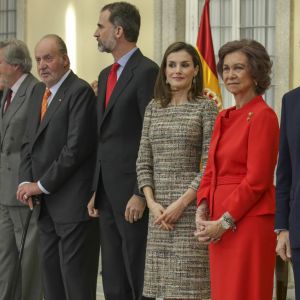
[(111, 82), (7, 100)]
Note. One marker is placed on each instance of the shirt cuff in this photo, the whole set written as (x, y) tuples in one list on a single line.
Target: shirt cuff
[(277, 231), (24, 182), (42, 188)]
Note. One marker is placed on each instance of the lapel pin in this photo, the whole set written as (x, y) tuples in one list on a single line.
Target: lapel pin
[(250, 114), (59, 100)]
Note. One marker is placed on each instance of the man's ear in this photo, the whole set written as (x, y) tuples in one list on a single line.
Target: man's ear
[(66, 60), (119, 31)]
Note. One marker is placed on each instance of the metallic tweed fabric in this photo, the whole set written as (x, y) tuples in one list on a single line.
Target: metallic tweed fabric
[(174, 140)]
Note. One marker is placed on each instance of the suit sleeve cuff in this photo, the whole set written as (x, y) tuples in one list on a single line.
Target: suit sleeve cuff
[(42, 188)]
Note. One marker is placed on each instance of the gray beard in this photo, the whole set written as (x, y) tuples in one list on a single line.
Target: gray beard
[(102, 48)]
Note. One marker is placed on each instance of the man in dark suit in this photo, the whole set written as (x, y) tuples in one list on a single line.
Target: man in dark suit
[(288, 185), (58, 163), (15, 67), (123, 218)]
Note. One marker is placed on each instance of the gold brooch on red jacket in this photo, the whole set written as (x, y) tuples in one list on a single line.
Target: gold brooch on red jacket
[(250, 114)]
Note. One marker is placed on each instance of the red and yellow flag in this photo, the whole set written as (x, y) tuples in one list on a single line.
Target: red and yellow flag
[(206, 51)]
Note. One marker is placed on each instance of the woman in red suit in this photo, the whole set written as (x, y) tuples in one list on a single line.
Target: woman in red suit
[(237, 189)]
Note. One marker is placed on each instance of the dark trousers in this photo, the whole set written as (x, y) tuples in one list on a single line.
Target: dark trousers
[(69, 259), (123, 247), (281, 273), (296, 269)]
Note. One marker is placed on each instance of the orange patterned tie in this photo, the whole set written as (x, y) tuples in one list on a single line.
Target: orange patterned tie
[(45, 102)]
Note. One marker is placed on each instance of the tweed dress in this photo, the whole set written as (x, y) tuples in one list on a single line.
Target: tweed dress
[(175, 139)]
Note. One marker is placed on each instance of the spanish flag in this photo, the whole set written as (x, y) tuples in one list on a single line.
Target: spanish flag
[(206, 51)]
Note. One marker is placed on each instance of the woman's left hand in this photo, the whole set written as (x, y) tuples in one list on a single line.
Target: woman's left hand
[(172, 213), (212, 231)]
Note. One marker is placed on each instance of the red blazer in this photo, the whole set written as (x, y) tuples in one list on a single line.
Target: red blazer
[(247, 143)]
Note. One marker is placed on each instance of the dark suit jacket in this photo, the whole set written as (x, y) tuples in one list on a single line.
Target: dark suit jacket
[(60, 150), (12, 128), (288, 169), (1, 94), (120, 126)]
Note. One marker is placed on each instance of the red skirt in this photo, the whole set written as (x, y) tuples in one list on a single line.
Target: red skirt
[(242, 262)]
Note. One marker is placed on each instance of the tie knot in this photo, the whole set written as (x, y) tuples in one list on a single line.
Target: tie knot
[(47, 93), (115, 67)]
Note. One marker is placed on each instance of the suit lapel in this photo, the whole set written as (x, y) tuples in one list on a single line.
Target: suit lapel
[(15, 105), (54, 105), (121, 84), (101, 95), (126, 76), (3, 101), (34, 115), (3, 126)]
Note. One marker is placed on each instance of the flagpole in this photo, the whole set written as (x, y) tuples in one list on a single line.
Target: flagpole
[(205, 48)]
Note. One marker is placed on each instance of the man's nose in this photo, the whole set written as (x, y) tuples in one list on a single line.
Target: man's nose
[(42, 65)]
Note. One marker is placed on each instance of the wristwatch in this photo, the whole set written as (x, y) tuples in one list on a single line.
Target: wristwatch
[(227, 222)]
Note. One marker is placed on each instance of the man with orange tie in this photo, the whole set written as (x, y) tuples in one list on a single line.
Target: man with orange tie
[(124, 90), (15, 67), (57, 162)]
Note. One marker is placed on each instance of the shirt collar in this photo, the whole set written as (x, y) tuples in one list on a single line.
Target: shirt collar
[(17, 85), (56, 86), (124, 59)]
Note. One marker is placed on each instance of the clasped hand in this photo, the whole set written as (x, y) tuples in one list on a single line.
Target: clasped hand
[(207, 231), (165, 218), (26, 191)]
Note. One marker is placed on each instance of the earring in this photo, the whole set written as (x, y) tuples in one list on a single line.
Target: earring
[(194, 80), (255, 82)]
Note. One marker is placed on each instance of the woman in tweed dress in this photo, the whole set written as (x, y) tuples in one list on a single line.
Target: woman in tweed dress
[(177, 127)]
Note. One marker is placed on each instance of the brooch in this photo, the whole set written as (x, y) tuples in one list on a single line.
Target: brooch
[(250, 114)]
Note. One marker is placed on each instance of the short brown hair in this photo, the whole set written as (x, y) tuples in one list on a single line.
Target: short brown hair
[(162, 91), (127, 16), (258, 59)]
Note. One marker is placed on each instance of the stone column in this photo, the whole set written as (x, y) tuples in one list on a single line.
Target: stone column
[(169, 25), (21, 18), (282, 54)]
